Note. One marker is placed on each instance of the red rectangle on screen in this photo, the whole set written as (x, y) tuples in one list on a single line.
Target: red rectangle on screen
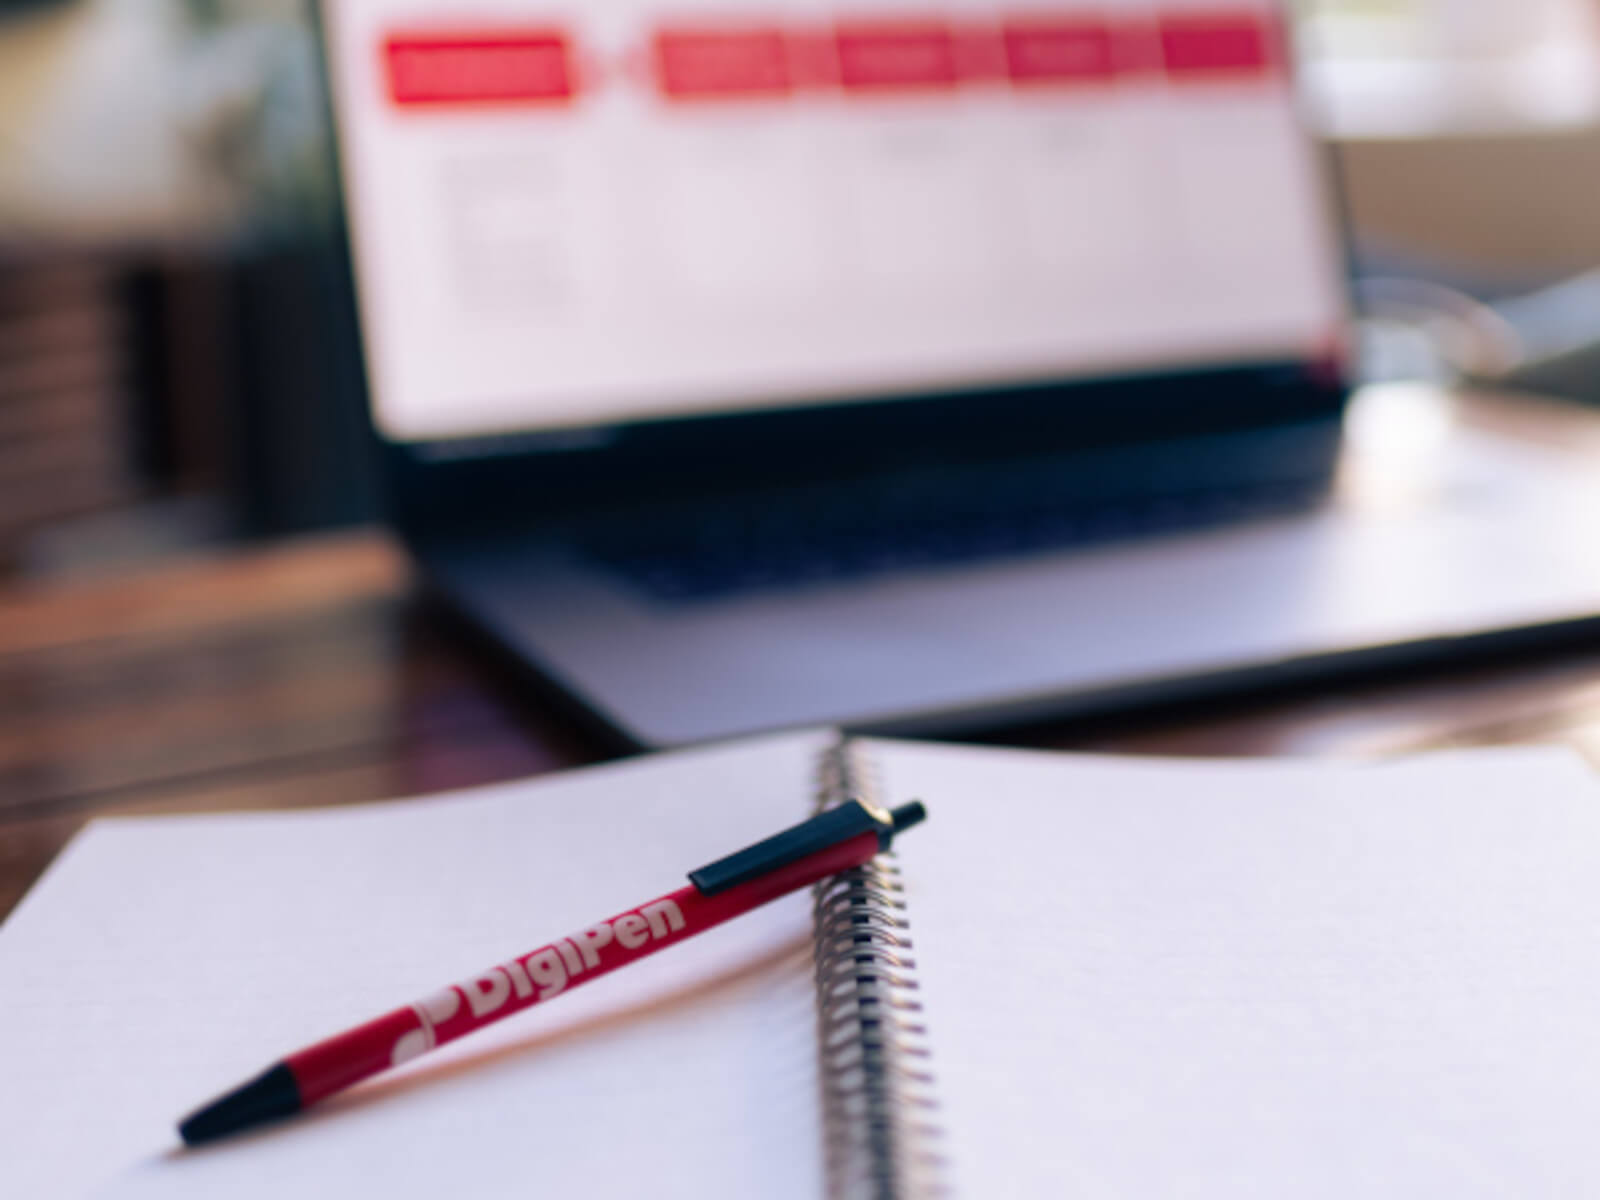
[(1218, 43), (702, 64), (898, 56), (532, 67), (1069, 50)]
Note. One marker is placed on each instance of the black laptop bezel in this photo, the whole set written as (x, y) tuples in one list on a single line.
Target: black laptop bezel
[(486, 486), (494, 485)]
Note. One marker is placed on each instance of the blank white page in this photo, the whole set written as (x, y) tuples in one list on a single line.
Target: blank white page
[(1189, 979), (164, 960)]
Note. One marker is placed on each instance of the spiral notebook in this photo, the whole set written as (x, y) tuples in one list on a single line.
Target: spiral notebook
[(1083, 976)]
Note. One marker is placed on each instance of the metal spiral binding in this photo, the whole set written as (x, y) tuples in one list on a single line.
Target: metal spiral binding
[(877, 1099)]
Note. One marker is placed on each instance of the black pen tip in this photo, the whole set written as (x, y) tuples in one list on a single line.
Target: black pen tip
[(268, 1096), (908, 815)]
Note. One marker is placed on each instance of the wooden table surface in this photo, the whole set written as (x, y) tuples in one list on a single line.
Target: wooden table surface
[(316, 672)]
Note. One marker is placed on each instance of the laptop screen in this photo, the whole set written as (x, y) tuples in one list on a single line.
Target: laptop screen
[(579, 215)]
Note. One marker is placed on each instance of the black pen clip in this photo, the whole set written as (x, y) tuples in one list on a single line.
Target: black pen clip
[(849, 820)]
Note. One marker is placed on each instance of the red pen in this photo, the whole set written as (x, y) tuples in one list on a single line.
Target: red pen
[(841, 838)]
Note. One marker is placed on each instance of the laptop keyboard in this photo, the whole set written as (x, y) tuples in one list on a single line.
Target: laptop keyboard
[(780, 545)]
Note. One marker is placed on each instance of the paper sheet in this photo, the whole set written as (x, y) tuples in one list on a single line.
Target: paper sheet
[(1142, 979), (1158, 979), (164, 960)]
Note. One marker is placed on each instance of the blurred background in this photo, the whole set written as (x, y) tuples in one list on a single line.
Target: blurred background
[(177, 356)]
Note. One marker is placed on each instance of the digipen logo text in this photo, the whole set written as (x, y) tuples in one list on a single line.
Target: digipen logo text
[(536, 976)]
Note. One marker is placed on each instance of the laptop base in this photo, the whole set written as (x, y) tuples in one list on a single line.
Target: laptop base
[(1423, 549)]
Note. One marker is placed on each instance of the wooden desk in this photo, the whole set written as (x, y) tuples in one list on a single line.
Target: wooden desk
[(314, 673)]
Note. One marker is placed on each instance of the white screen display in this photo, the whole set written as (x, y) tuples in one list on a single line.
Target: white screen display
[(627, 210)]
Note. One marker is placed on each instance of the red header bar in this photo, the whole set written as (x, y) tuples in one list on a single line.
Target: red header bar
[(1046, 51), (479, 68), (707, 65), (1242, 43), (901, 56), (1030, 50)]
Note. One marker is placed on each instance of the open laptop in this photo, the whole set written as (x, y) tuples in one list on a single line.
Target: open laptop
[(911, 367)]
